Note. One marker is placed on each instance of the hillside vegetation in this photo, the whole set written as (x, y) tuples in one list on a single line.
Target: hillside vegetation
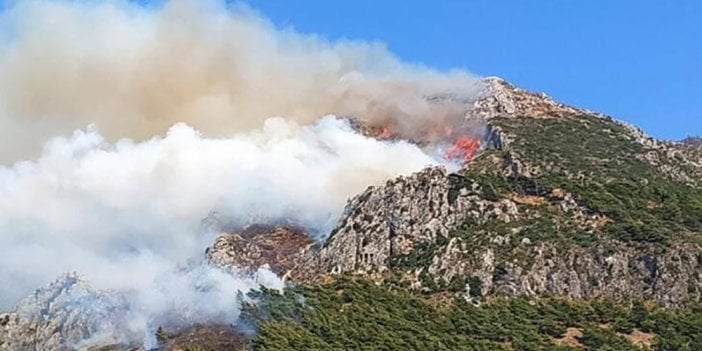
[(647, 194), (357, 315)]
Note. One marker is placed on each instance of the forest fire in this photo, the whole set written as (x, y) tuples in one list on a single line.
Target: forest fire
[(463, 141), (464, 148)]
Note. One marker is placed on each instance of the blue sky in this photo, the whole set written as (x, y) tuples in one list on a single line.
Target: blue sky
[(639, 61)]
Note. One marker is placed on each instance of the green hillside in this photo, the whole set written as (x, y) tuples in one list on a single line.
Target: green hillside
[(358, 315)]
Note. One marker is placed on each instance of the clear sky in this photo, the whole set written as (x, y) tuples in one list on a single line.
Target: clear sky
[(639, 61)]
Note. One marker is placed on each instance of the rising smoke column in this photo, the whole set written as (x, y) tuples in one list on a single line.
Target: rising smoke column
[(136, 71), (154, 117)]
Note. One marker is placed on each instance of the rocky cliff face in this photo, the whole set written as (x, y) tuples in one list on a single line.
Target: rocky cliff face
[(60, 316), (560, 201), (414, 225), (387, 221)]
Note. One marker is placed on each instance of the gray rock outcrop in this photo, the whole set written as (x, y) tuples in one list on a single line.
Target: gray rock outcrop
[(60, 316), (388, 222)]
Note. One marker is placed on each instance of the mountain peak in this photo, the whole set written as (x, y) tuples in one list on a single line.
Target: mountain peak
[(505, 99)]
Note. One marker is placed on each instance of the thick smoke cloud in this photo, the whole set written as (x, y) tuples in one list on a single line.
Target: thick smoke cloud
[(135, 72), (179, 102), (126, 213)]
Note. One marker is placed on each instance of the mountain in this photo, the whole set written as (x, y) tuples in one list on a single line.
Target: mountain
[(56, 316), (568, 230), (563, 229), (559, 201)]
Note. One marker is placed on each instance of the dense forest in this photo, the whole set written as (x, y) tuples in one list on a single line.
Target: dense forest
[(352, 314)]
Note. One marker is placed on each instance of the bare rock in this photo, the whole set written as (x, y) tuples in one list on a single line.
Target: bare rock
[(284, 250), (504, 99), (60, 316), (388, 221)]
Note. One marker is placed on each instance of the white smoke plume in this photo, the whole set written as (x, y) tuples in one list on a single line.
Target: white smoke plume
[(111, 210), (126, 215), (178, 99)]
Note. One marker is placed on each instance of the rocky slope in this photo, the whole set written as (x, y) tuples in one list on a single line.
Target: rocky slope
[(560, 201), (504, 99), (443, 231), (67, 312)]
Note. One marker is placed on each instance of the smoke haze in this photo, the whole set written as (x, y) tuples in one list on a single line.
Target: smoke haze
[(135, 72), (122, 127)]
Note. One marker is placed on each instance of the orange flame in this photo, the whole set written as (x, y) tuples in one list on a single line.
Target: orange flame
[(463, 148)]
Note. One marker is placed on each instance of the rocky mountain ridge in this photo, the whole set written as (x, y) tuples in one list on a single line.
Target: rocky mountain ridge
[(546, 208), (504, 99), (558, 201)]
